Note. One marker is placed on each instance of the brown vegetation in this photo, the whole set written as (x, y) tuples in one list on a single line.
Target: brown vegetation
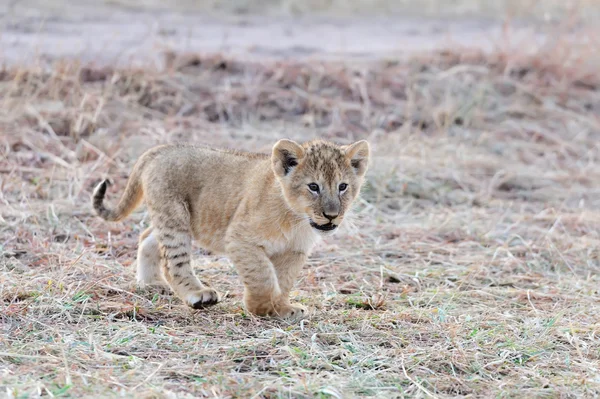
[(471, 268)]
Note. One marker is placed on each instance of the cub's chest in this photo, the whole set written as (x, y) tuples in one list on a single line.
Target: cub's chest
[(300, 239)]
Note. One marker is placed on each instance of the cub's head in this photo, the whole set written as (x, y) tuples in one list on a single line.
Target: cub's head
[(319, 179)]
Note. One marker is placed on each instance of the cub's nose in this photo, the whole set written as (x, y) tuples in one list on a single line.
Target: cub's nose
[(330, 217)]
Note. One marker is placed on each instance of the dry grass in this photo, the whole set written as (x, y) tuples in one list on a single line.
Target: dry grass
[(471, 268)]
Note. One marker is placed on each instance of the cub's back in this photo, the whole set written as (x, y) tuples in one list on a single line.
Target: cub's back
[(211, 183), (187, 170)]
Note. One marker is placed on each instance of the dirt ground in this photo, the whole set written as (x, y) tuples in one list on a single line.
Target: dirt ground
[(125, 35), (468, 269)]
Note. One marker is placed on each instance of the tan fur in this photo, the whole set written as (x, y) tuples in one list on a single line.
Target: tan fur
[(256, 209)]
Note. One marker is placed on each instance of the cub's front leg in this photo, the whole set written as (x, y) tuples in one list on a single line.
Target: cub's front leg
[(264, 293), (287, 267)]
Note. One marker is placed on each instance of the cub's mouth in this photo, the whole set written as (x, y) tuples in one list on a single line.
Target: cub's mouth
[(324, 227)]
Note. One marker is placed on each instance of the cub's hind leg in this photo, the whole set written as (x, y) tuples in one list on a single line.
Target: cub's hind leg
[(149, 273), (171, 224)]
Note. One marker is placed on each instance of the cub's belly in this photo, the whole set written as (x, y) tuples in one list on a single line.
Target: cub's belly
[(210, 239)]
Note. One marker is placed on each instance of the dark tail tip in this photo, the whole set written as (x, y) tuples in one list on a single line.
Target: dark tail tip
[(98, 197), (102, 188)]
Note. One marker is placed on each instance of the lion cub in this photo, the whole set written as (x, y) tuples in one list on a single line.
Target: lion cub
[(263, 212)]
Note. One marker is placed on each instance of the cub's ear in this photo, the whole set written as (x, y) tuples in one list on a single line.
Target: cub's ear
[(286, 155), (358, 153)]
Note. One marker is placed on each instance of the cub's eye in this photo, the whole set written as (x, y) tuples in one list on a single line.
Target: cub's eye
[(314, 187), (343, 187)]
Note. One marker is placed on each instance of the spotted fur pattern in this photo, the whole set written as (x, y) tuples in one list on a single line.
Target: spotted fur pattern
[(265, 212)]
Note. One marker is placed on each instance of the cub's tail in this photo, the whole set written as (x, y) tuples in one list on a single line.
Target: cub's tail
[(130, 199)]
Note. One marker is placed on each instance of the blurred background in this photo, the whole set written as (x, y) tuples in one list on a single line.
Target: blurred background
[(126, 31)]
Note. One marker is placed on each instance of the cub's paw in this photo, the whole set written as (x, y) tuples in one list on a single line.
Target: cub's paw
[(264, 307), (290, 313), (202, 298)]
